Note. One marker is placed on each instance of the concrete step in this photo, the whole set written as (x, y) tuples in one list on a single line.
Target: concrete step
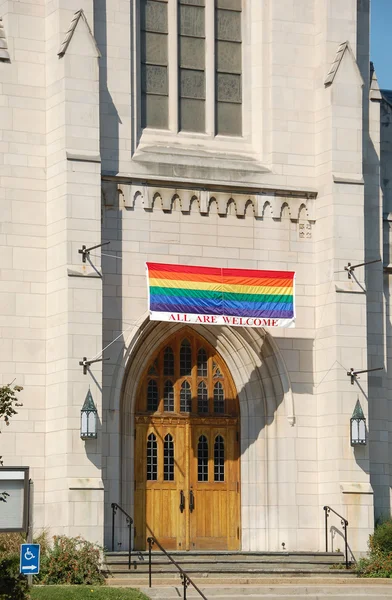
[(227, 555), (281, 592), (249, 558), (230, 578), (239, 568)]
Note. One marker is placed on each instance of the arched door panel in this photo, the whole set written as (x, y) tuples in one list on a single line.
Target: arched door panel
[(187, 394)]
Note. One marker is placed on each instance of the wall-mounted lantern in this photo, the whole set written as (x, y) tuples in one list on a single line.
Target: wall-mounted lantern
[(358, 426), (89, 418)]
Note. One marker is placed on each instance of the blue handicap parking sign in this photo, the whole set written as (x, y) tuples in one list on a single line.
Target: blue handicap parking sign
[(29, 558)]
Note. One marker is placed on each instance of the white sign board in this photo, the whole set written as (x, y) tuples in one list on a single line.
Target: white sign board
[(14, 481)]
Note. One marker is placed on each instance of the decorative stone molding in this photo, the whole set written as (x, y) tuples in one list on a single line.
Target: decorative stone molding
[(342, 49), (68, 36), (259, 205), (375, 92), (4, 54)]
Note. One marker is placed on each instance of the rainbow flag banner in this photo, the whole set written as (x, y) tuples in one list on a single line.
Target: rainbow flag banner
[(238, 297)]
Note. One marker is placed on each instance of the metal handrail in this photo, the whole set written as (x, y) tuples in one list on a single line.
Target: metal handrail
[(129, 520), (344, 524), (186, 580)]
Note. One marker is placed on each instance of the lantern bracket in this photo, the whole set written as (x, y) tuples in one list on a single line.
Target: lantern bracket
[(354, 374), (85, 252), (85, 363), (351, 268)]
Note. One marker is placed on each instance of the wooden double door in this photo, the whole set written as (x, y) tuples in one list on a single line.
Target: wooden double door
[(187, 474)]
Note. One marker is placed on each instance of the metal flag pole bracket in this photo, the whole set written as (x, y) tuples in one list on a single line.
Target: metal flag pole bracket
[(354, 374), (85, 363), (85, 252), (351, 268)]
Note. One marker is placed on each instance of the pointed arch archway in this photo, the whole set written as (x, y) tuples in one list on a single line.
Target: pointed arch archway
[(187, 442), (267, 414)]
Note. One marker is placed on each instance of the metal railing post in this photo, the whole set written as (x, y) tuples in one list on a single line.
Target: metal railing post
[(345, 543), (114, 509), (150, 543), (185, 585), (326, 528), (130, 545)]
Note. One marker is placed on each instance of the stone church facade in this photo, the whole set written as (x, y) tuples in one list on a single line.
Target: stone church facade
[(240, 134)]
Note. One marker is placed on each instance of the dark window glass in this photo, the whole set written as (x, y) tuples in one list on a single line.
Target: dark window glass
[(202, 363), (152, 458), (202, 459), (202, 398), (153, 370), (168, 362), (168, 459), (192, 80), (219, 398), (154, 63), (219, 459), (185, 397), (185, 359), (168, 397), (152, 395), (228, 67)]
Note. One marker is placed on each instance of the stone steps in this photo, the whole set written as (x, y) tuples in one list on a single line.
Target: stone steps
[(279, 592), (221, 568)]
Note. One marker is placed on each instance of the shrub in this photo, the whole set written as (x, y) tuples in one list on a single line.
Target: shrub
[(379, 562), (71, 561), (10, 543), (13, 586), (381, 540), (376, 566)]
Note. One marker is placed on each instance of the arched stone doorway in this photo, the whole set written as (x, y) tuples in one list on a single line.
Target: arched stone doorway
[(187, 448), (262, 386)]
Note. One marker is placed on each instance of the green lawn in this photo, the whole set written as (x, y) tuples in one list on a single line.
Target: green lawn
[(81, 592)]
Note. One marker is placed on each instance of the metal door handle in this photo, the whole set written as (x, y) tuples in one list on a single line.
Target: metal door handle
[(182, 501), (191, 501)]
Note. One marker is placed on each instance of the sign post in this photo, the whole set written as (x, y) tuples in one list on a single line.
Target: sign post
[(29, 559)]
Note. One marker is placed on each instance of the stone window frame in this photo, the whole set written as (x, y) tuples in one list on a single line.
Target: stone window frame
[(211, 141)]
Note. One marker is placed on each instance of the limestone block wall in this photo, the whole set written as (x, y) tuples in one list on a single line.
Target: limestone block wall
[(23, 236), (287, 511), (310, 146), (74, 494)]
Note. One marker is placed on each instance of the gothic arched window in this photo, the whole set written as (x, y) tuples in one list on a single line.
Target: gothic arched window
[(186, 102), (202, 459), (152, 458), (168, 458), (219, 459)]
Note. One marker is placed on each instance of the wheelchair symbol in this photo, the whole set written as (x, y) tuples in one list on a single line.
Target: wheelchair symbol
[(29, 555)]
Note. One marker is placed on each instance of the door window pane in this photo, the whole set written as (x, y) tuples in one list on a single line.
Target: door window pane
[(152, 395), (219, 459), (185, 358), (168, 397), (202, 459), (202, 363), (168, 459), (202, 398), (219, 398), (168, 361), (185, 397), (152, 458)]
